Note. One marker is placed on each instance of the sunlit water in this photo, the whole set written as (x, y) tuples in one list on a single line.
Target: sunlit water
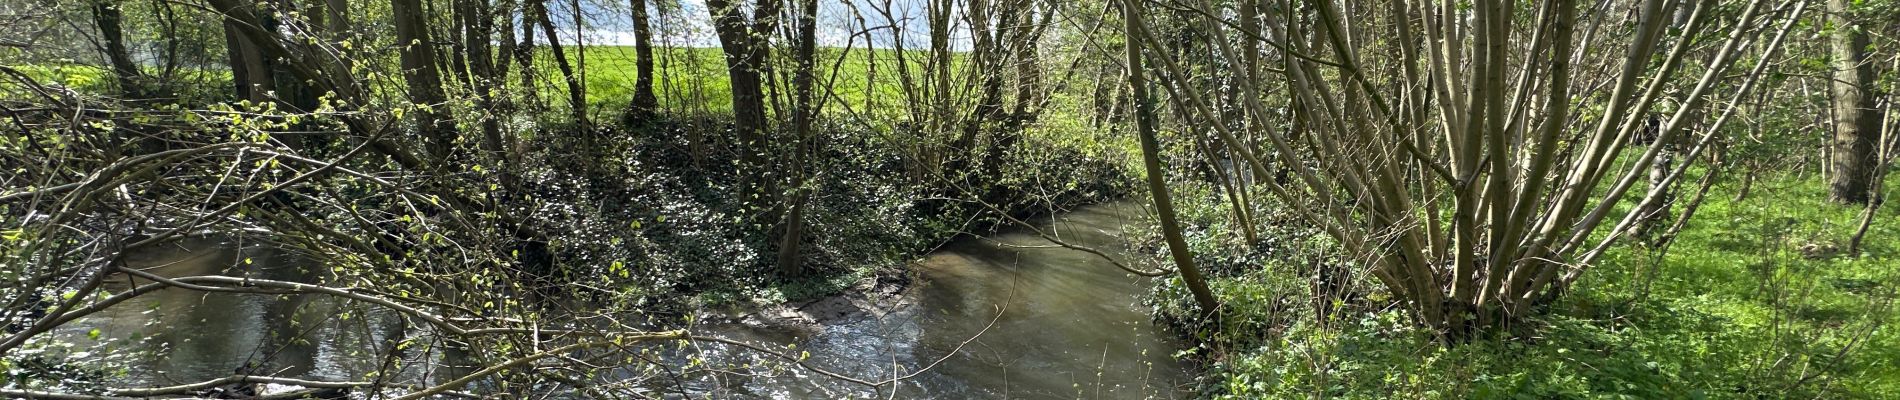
[(1009, 316), (1067, 324)]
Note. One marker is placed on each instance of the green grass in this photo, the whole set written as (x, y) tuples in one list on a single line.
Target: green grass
[(859, 82), (1736, 309)]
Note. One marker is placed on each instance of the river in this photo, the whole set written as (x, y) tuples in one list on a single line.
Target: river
[(1005, 316)]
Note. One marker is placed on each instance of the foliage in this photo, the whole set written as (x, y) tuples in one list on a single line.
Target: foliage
[(1749, 303)]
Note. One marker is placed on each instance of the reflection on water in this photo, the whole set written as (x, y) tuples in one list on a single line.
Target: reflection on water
[(1067, 324), (1053, 323), (175, 336)]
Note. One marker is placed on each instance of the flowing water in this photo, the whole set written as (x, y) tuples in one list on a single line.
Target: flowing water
[(172, 337), (1019, 318), (1007, 316)]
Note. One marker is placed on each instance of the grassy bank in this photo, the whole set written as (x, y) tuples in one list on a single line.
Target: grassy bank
[(1754, 300)]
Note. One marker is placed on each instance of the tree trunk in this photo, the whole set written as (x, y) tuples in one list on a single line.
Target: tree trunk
[(420, 74), (576, 94), (293, 91), (1022, 29), (1151, 160), (1026, 36), (804, 110), (478, 21), (1877, 193), (1649, 214), (765, 26), (1856, 121), (941, 116), (131, 81), (250, 71), (987, 55), (744, 61), (337, 21), (644, 102), (455, 57)]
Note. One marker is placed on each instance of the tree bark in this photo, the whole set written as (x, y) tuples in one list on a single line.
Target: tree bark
[(804, 110), (1151, 160), (576, 94), (987, 54), (293, 91), (644, 102), (1649, 214), (744, 61), (524, 54), (419, 72), (1856, 121), (938, 13), (337, 21), (250, 71), (106, 15), (478, 27)]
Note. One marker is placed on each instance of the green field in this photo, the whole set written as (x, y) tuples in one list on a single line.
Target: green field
[(858, 82), (694, 80)]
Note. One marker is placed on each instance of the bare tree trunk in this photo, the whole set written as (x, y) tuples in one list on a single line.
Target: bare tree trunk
[(420, 74), (250, 71), (1022, 29), (1651, 213), (576, 94), (524, 54), (1748, 183), (1856, 121), (167, 20), (1026, 36), (337, 17), (1877, 194), (804, 110), (765, 25), (106, 15), (261, 76), (1151, 160), (292, 91), (1486, 205), (987, 55), (644, 102), (478, 23), (744, 63), (938, 12), (455, 62)]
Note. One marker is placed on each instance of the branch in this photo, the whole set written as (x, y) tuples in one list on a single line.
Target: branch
[(244, 379)]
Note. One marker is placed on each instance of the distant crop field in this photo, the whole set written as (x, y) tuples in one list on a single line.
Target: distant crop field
[(695, 79)]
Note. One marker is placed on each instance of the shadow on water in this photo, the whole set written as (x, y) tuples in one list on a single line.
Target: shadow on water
[(1066, 324), (172, 336), (1017, 316)]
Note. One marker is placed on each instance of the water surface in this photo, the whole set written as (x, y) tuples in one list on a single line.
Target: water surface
[(1007, 316)]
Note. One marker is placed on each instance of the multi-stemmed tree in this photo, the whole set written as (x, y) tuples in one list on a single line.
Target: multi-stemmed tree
[(1472, 167)]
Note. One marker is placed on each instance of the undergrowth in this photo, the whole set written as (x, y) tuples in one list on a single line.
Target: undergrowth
[(1755, 299), (641, 211)]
